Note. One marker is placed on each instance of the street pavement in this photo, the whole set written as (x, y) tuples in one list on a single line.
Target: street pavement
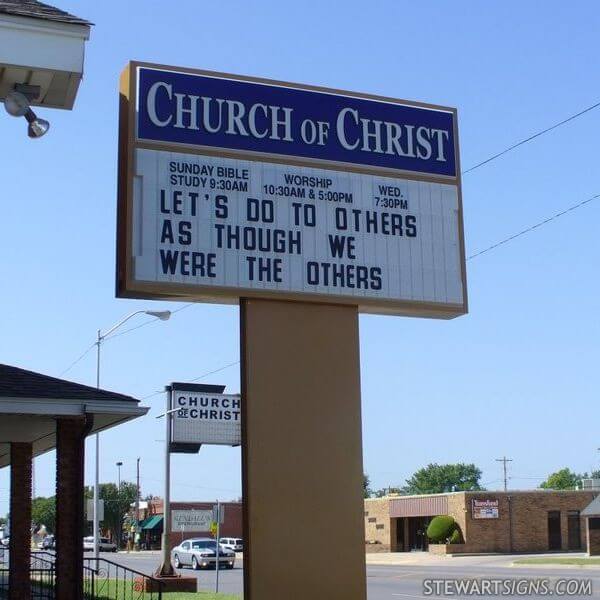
[(404, 575)]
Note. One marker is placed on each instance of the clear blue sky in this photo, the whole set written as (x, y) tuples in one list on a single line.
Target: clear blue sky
[(517, 376)]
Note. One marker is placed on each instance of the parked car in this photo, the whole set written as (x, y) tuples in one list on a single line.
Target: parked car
[(201, 553), (235, 544), (48, 543), (5, 541), (105, 544)]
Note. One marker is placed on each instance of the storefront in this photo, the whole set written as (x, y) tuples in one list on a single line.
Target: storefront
[(519, 521)]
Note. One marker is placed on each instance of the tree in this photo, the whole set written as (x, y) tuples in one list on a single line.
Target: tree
[(435, 479), (43, 512), (565, 479), (117, 502), (366, 484), (387, 491)]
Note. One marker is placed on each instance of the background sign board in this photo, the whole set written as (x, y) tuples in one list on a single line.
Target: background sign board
[(205, 417), (90, 509), (191, 520), (485, 509), (231, 186)]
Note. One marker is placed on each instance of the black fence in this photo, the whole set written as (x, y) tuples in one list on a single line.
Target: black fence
[(107, 580), (102, 579), (41, 573)]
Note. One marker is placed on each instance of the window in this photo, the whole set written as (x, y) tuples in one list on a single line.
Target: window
[(185, 545), (594, 524), (380, 526), (205, 544), (372, 520)]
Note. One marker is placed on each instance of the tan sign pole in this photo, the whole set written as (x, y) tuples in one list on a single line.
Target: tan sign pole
[(302, 451)]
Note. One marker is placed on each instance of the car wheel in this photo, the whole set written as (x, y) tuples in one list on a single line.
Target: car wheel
[(176, 562), (195, 564)]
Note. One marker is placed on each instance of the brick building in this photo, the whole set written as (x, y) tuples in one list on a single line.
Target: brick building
[(231, 526), (515, 521)]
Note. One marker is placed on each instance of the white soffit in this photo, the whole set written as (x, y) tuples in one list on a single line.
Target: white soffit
[(49, 54)]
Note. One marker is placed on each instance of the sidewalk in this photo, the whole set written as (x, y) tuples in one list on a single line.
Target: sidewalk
[(424, 559)]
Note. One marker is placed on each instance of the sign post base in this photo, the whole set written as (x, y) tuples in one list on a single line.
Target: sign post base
[(302, 452)]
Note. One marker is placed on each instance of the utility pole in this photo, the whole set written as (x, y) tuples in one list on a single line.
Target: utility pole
[(504, 462), (137, 505)]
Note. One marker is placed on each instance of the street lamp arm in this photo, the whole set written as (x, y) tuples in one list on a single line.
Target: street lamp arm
[(103, 336)]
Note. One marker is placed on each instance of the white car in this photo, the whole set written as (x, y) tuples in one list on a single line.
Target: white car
[(201, 553), (235, 544), (105, 544)]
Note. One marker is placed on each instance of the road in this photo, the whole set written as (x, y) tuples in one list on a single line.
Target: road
[(395, 582)]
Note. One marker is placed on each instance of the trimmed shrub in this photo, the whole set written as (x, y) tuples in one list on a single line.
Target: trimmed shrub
[(441, 528), (456, 536)]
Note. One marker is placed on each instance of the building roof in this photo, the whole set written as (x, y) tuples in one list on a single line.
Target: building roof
[(39, 10), (592, 509), (20, 383)]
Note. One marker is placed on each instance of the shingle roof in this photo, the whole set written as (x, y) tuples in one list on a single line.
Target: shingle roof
[(19, 383), (39, 10)]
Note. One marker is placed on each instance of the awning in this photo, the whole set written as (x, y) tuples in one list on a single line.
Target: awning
[(152, 522)]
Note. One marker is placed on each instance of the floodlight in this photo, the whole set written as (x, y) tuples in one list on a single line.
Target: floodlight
[(17, 105), (37, 127)]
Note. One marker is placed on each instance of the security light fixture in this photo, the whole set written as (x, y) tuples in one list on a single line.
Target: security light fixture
[(17, 105), (163, 315)]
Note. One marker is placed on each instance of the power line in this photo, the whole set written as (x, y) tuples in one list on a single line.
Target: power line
[(539, 224), (237, 362), (532, 137), (81, 356)]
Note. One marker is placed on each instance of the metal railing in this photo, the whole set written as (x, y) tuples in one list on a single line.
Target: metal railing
[(103, 579), (41, 572), (108, 580)]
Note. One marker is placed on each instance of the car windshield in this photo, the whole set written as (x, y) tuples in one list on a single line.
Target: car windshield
[(209, 544)]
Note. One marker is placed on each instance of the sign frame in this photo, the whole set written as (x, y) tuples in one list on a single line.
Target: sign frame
[(184, 447), (128, 287), (477, 513)]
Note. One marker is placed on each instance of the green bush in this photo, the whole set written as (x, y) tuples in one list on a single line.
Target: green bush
[(441, 528), (456, 536)]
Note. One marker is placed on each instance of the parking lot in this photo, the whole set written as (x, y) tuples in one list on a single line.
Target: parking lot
[(406, 575)]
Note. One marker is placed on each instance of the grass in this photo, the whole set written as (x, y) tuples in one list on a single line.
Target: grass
[(582, 562), (198, 596), (111, 588)]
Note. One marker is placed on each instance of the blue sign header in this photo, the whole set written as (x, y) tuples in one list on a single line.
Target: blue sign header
[(203, 110)]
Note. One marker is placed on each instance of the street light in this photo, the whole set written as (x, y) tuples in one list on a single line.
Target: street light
[(119, 465), (163, 315)]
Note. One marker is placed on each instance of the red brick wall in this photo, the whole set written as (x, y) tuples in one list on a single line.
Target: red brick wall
[(231, 527)]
